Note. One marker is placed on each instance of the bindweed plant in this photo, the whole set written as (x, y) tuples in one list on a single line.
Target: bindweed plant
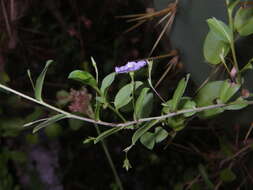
[(211, 99)]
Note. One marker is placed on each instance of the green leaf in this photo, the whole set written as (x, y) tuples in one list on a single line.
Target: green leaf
[(177, 122), (40, 81), (179, 92), (147, 105), (107, 81), (220, 29), (243, 21), (140, 103), (227, 175), (49, 121), (107, 133), (227, 90), (89, 140), (206, 96), (248, 66), (240, 103), (188, 103), (214, 48), (94, 64), (160, 134), (142, 130), (83, 77), (123, 97), (232, 4), (148, 140)]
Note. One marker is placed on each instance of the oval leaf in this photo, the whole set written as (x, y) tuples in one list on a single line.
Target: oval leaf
[(240, 103), (40, 81), (142, 130), (220, 29), (140, 103), (107, 81), (214, 48), (243, 21), (207, 95), (83, 77), (188, 104), (123, 97), (227, 90), (148, 140), (160, 134)]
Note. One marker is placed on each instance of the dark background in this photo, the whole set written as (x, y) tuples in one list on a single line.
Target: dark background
[(70, 32)]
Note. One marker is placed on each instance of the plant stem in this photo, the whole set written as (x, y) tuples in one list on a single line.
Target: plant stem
[(133, 92), (117, 112), (232, 43), (103, 142), (109, 158), (124, 124)]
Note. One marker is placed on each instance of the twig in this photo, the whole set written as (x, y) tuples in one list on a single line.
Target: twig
[(98, 122)]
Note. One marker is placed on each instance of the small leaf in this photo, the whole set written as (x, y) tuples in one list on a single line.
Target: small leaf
[(214, 48), (232, 4), (89, 140), (248, 66), (107, 81), (94, 64), (227, 175), (30, 78), (83, 77), (142, 130), (220, 29), (148, 140), (187, 103), (179, 92), (160, 134), (243, 21), (123, 97), (240, 103), (50, 121), (107, 133), (40, 81), (177, 122), (227, 90), (140, 103), (147, 105), (206, 96)]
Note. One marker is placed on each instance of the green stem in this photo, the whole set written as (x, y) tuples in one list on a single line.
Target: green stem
[(109, 158), (104, 146), (232, 43), (133, 93), (117, 112)]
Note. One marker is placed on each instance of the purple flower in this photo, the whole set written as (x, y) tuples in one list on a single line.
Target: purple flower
[(131, 66)]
